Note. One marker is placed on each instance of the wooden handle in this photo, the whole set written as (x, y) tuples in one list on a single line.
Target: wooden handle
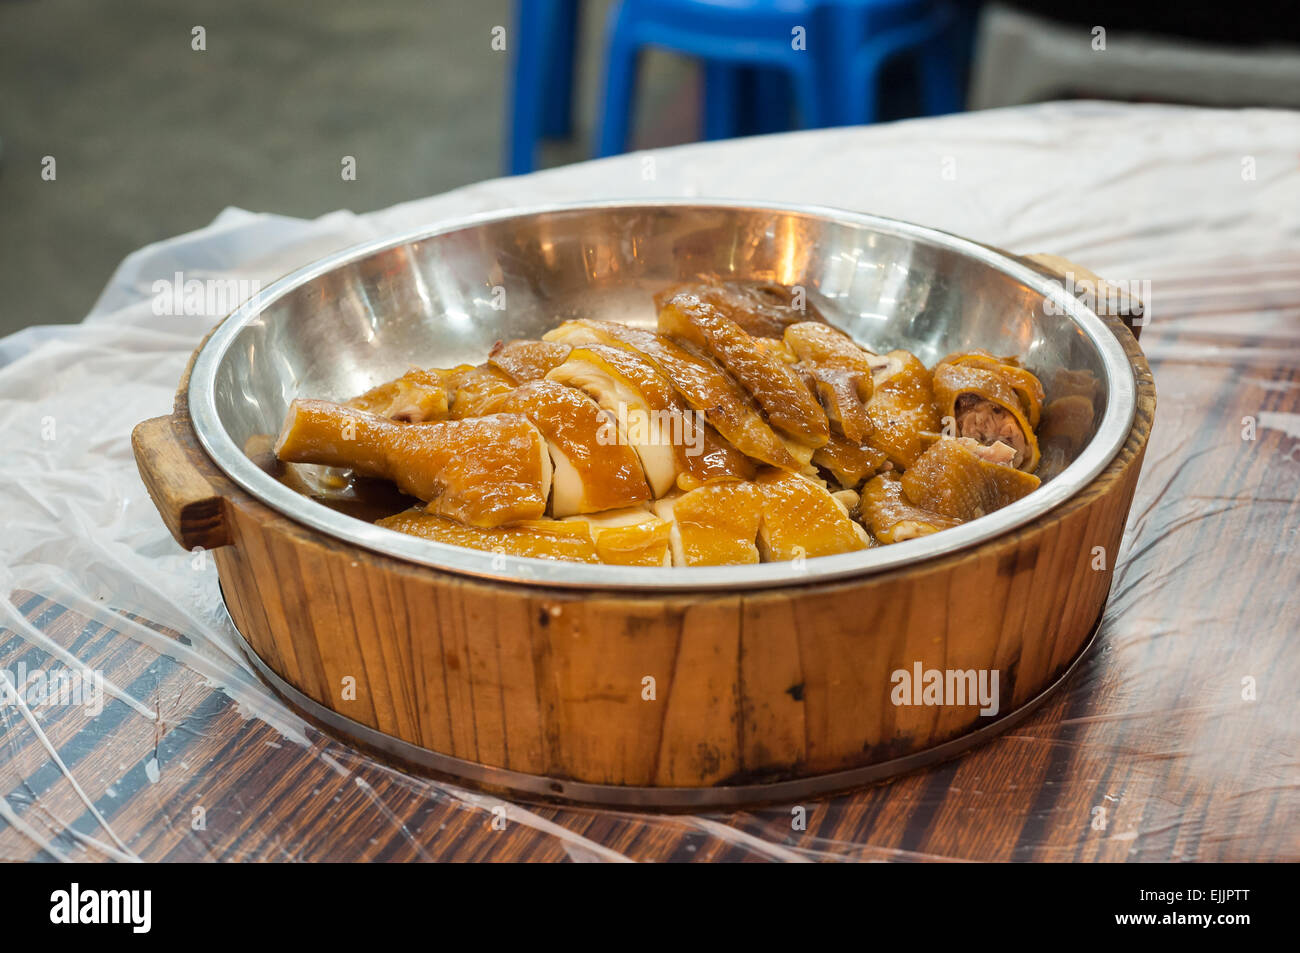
[(1128, 307), (191, 508)]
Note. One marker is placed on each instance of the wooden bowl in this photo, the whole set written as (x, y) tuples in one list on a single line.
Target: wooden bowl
[(728, 687)]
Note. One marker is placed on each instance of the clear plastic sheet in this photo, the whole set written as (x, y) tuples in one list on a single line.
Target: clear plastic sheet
[(1175, 739)]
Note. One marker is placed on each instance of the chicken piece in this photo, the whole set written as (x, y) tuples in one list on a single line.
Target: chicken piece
[(850, 463), (1075, 383), (670, 439), (486, 472), (1026, 386), (538, 539), (1068, 423), (714, 525), (595, 469), (701, 383), (802, 519), (841, 395), (762, 309), (826, 346), (901, 408), (957, 478), (415, 397), (631, 537), (985, 405), (776, 387), (891, 518), (524, 361), (803, 455), (841, 373), (473, 387)]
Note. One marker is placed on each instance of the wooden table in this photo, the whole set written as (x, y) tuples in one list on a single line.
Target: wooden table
[(1176, 738)]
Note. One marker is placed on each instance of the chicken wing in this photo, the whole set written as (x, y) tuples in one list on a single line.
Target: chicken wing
[(472, 387), (841, 373)]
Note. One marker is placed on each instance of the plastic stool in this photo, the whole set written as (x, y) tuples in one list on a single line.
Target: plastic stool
[(747, 51), (722, 33)]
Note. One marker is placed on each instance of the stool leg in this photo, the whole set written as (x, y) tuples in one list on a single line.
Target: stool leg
[(722, 83), (557, 103), (807, 95), (620, 86), (773, 108), (530, 44), (941, 82)]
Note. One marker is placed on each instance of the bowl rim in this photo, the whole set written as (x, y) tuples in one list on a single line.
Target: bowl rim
[(1110, 437)]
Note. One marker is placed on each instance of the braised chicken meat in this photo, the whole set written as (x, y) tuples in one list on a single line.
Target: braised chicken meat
[(743, 428)]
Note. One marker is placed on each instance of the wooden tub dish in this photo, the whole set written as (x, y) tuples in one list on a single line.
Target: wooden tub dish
[(732, 686)]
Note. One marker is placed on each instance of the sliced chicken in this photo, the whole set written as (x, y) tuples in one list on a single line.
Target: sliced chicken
[(954, 478), (523, 361), (986, 402), (840, 372), (594, 468), (776, 387), (762, 309), (670, 439), (700, 382), (472, 387), (538, 539), (891, 518), (1026, 386), (850, 463), (484, 472), (801, 519), (714, 525), (630, 537), (415, 397), (902, 409)]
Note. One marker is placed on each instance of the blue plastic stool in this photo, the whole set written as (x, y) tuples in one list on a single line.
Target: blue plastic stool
[(542, 45), (725, 34), (749, 59)]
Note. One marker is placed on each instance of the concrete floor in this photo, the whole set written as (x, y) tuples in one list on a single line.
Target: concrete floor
[(152, 139)]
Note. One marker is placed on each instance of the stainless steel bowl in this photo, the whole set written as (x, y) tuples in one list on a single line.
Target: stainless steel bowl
[(442, 296)]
